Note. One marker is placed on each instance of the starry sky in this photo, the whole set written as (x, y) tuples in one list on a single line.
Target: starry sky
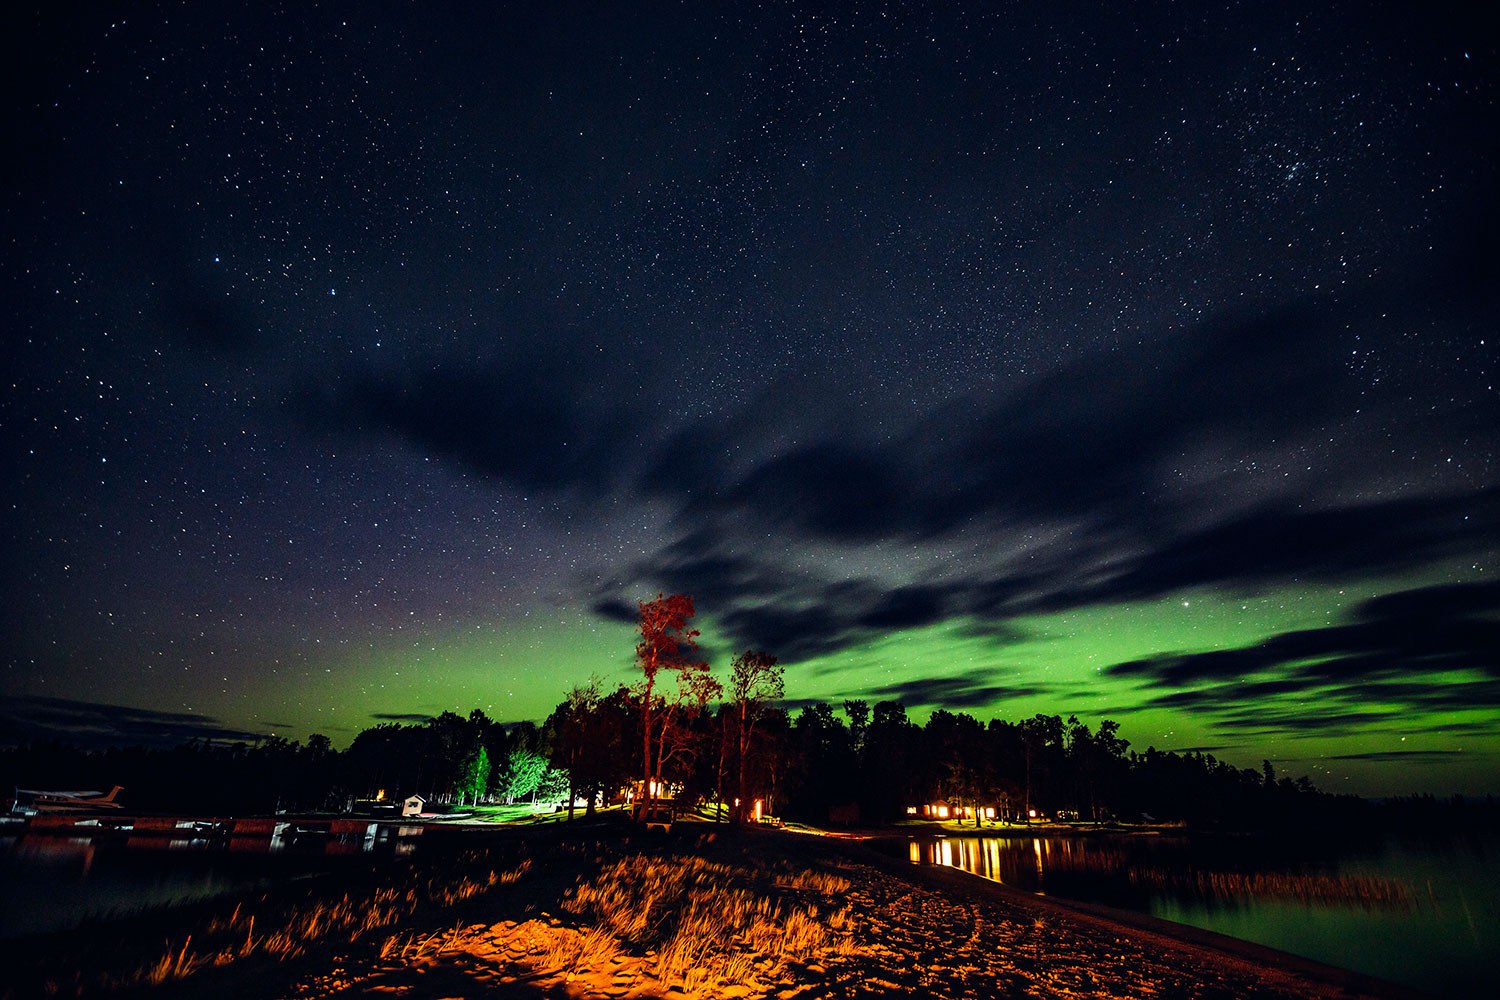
[(365, 361)]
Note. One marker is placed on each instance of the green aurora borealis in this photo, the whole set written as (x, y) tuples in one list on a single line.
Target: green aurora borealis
[(522, 670)]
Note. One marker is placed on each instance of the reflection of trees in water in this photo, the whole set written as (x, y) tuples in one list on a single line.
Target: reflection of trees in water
[(1368, 891), (1111, 871)]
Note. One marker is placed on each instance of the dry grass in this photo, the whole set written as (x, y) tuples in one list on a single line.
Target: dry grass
[(638, 918), (712, 925), (232, 938)]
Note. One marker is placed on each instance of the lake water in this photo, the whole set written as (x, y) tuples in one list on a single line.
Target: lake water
[(1421, 912), (1425, 912), (55, 883)]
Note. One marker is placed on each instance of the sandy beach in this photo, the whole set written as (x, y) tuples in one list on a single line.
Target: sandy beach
[(756, 914)]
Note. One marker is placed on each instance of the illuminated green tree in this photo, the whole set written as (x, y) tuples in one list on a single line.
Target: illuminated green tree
[(523, 772), (475, 781)]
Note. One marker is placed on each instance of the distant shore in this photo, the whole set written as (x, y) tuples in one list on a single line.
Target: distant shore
[(603, 910)]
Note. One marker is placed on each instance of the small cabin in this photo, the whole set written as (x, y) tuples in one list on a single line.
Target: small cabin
[(944, 810), (412, 806)]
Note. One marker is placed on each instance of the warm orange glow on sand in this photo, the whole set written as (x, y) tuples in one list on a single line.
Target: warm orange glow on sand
[(734, 915)]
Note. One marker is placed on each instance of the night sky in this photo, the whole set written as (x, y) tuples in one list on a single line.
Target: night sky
[(366, 361)]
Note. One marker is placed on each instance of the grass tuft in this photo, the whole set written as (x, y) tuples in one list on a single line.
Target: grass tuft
[(711, 925), (346, 918)]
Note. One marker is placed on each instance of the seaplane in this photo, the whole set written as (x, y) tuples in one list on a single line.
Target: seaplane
[(29, 801)]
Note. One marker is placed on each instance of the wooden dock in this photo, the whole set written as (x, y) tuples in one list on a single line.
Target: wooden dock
[(334, 834)]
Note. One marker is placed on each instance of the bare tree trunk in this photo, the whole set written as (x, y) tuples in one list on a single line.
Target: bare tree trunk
[(645, 748), (719, 778)]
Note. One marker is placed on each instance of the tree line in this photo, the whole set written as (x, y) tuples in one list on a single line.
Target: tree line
[(854, 762), (680, 733)]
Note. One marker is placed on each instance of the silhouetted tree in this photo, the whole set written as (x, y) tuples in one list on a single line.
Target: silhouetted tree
[(891, 760), (858, 714), (1042, 737), (880, 756), (964, 769), (755, 682), (569, 729), (822, 761), (681, 729)]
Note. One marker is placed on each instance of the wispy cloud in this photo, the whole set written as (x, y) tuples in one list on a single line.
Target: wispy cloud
[(92, 724)]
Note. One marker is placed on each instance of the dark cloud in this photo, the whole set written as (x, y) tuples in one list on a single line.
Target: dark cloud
[(763, 603), (791, 633), (804, 618), (531, 421), (1446, 696), (1276, 545), (1228, 694), (1425, 605), (1399, 755), (95, 725), (907, 607), (513, 430), (1282, 706), (1093, 445), (970, 691), (706, 566), (1415, 695), (617, 610), (1215, 748), (1412, 633), (995, 630), (1099, 437), (829, 491), (628, 613), (1293, 719), (757, 601), (1095, 438), (1393, 665), (416, 718)]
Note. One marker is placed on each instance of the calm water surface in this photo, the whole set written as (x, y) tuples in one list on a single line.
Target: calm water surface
[(51, 883), (1423, 912)]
